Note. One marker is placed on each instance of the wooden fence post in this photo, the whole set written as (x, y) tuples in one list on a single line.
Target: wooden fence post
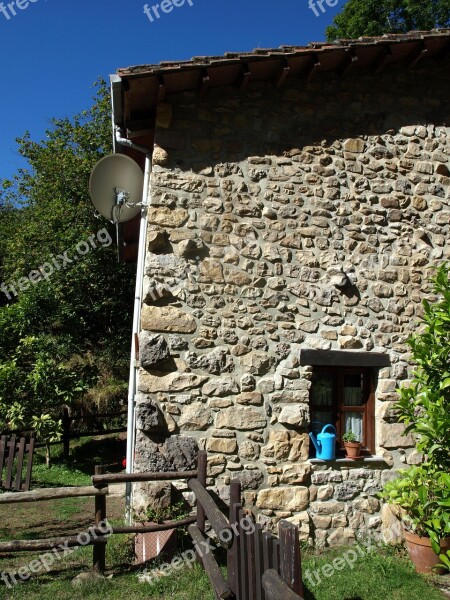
[(202, 461), (19, 466), (66, 432), (232, 555), (12, 453), (290, 559), (99, 550)]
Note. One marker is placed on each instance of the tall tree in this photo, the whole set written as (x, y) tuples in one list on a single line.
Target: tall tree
[(65, 307), (376, 17)]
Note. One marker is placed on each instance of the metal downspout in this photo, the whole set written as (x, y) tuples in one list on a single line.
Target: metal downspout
[(134, 368)]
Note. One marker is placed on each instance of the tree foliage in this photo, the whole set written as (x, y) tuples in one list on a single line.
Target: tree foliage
[(377, 17), (65, 338)]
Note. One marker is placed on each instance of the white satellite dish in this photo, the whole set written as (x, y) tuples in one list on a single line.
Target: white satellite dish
[(115, 186)]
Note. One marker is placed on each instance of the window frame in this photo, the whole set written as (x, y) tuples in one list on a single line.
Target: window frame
[(338, 408)]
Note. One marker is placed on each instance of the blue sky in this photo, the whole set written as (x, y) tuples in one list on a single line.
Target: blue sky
[(53, 50)]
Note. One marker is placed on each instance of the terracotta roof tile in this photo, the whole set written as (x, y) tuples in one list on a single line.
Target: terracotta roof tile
[(266, 53)]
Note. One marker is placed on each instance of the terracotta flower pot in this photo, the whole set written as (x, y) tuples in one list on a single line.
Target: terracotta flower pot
[(353, 449), (422, 555)]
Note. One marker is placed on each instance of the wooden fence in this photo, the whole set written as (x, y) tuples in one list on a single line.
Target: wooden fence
[(68, 434), (99, 490), (260, 566), (15, 454)]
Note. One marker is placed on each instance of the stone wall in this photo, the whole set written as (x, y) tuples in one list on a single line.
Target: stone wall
[(306, 217)]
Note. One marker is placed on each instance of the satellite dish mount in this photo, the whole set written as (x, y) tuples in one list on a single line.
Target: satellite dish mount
[(116, 188)]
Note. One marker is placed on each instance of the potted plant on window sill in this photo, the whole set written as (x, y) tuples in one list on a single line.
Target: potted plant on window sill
[(352, 445)]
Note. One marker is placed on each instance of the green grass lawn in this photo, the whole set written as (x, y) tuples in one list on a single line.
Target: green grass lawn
[(378, 577), (382, 575)]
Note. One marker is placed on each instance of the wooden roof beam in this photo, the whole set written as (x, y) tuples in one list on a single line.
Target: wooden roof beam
[(280, 77), (419, 52), (161, 88), (244, 76), (311, 69), (348, 63), (382, 59), (203, 82)]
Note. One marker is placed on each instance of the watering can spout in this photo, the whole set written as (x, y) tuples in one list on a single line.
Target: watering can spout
[(316, 442)]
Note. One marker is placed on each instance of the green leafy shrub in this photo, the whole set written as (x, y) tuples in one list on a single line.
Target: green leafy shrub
[(423, 492)]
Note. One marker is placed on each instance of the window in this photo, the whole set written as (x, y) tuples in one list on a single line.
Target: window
[(344, 397)]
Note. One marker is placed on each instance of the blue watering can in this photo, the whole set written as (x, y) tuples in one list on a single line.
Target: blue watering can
[(325, 443)]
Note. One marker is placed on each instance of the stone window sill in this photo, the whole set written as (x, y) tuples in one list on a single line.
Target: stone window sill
[(366, 460)]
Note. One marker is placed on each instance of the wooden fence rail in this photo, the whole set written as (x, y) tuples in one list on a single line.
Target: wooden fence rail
[(260, 566), (100, 491)]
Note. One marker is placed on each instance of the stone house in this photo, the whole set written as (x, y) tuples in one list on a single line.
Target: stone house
[(298, 201)]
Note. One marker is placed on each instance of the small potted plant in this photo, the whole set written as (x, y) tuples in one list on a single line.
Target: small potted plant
[(352, 445)]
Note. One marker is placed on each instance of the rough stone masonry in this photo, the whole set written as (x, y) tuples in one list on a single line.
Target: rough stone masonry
[(305, 217)]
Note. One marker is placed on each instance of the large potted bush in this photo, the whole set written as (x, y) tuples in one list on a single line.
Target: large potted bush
[(422, 493), (423, 496)]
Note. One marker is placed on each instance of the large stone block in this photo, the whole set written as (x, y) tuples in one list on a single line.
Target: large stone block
[(211, 271), (223, 445), (295, 414), (215, 362), (257, 363), (149, 418), (391, 526), (195, 417), (167, 318), (167, 217), (254, 398), (287, 498), (224, 386), (327, 508), (294, 474), (250, 480), (153, 350), (169, 382), (165, 265), (391, 436), (176, 453), (242, 419)]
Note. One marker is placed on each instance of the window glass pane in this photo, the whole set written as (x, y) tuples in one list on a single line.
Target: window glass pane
[(353, 390), (320, 419), (322, 390), (353, 421)]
